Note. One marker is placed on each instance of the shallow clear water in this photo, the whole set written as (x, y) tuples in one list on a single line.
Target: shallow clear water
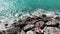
[(12, 9)]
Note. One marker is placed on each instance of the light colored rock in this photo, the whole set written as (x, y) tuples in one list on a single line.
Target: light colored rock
[(52, 30), (22, 32), (30, 32), (28, 26)]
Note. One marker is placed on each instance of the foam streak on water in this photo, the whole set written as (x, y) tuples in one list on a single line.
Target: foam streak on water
[(15, 9), (10, 19)]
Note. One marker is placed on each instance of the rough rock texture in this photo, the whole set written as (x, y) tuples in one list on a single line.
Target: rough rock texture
[(34, 25)]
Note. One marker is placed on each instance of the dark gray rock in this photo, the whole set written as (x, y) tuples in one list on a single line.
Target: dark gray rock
[(57, 18), (13, 30)]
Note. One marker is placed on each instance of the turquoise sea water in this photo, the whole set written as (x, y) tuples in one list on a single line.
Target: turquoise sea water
[(11, 9)]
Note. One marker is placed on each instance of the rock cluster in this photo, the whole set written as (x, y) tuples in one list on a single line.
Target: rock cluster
[(34, 25)]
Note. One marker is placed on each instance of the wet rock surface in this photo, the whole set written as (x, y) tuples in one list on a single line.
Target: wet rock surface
[(34, 25)]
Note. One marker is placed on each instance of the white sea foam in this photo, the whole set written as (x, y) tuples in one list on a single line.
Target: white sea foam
[(10, 19)]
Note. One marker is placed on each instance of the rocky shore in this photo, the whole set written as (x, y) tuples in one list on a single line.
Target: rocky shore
[(41, 24)]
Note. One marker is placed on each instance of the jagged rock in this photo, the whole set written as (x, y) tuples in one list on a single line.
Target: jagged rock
[(25, 25), (19, 24)]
